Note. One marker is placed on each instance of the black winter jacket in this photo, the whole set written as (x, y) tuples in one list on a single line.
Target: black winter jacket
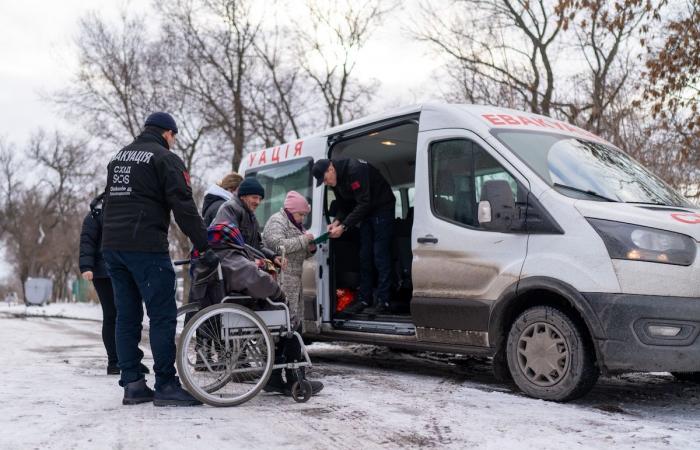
[(145, 182), (213, 199), (235, 211), (360, 191), (90, 236)]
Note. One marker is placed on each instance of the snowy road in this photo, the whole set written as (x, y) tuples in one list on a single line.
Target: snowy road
[(54, 394)]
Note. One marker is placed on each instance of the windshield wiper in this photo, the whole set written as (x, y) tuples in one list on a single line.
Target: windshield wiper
[(585, 191), (649, 203)]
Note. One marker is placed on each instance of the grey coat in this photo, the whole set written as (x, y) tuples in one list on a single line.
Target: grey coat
[(280, 231), (235, 211)]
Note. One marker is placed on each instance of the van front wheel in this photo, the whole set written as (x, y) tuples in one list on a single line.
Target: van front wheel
[(548, 355)]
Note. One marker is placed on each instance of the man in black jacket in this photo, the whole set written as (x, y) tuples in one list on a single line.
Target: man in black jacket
[(241, 208), (364, 198), (146, 181)]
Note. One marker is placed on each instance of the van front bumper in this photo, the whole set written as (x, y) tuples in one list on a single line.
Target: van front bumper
[(647, 333)]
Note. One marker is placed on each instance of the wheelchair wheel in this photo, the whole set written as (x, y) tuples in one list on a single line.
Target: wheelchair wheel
[(183, 313), (225, 355)]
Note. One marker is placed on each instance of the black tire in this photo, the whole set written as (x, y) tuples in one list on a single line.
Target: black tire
[(187, 308), (690, 377), (549, 357), (204, 394)]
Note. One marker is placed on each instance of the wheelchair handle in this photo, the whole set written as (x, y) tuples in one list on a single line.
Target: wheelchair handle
[(181, 262)]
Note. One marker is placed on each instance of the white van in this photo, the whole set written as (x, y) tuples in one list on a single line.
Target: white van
[(516, 236)]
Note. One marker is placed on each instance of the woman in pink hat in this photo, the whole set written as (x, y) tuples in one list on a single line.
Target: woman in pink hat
[(285, 229)]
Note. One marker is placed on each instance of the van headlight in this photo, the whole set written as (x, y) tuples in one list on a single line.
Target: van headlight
[(637, 243)]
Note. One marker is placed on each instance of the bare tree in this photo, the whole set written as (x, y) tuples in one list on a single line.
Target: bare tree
[(604, 34), (503, 46), (216, 37), (328, 48), (280, 96), (110, 93), (41, 221)]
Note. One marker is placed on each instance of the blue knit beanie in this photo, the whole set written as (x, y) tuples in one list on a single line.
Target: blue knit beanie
[(162, 120), (251, 186)]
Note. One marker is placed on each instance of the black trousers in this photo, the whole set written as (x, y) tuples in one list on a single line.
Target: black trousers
[(103, 286)]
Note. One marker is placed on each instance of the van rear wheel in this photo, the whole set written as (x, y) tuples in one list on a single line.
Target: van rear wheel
[(548, 356)]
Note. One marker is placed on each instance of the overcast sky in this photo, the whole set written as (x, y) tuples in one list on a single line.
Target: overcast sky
[(37, 57)]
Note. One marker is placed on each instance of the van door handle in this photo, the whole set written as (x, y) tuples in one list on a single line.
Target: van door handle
[(429, 239)]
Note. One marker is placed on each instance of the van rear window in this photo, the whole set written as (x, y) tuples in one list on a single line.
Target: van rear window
[(278, 179)]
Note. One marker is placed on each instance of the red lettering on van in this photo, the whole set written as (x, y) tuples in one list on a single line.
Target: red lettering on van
[(276, 154), (525, 121), (286, 152), (510, 120), (263, 157), (493, 119), (690, 218), (251, 159), (297, 148)]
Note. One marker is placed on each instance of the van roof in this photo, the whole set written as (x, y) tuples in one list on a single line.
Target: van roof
[(451, 115), (433, 115)]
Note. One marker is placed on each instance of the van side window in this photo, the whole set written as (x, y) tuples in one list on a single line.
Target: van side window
[(278, 179), (459, 169)]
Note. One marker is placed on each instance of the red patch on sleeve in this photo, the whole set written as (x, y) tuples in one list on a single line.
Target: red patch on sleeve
[(187, 177), (355, 185)]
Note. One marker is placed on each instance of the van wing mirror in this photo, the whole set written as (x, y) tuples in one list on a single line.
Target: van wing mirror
[(497, 207)]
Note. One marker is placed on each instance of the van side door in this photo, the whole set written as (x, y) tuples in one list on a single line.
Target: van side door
[(459, 267)]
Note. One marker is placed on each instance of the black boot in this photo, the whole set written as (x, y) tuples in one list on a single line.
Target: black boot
[(275, 383), (113, 369), (379, 308), (137, 392), (355, 307), (172, 394), (316, 386)]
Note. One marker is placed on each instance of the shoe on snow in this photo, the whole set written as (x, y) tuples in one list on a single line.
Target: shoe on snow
[(276, 384), (316, 387), (172, 394), (137, 392)]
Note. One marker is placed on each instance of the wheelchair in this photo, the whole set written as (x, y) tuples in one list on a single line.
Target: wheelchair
[(226, 351)]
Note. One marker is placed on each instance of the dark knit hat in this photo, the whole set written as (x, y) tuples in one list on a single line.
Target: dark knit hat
[(251, 186), (161, 120), (319, 170)]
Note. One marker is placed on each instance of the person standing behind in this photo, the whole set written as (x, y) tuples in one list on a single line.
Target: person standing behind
[(92, 268), (363, 198), (146, 182), (219, 193)]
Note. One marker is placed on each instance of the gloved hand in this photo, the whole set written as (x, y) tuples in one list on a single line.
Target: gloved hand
[(209, 259)]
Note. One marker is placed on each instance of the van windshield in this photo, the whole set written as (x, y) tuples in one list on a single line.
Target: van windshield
[(589, 170), (278, 179)]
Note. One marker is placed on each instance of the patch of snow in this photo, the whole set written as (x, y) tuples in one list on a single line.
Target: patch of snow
[(55, 394)]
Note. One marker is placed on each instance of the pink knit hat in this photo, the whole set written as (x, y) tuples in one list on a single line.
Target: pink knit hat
[(296, 203)]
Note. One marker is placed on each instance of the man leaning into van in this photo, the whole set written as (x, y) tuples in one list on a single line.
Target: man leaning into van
[(364, 198)]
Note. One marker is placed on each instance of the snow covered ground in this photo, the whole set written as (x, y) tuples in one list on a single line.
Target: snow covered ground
[(54, 394)]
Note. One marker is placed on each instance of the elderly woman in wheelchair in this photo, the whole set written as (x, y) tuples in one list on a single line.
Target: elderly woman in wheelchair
[(246, 340)]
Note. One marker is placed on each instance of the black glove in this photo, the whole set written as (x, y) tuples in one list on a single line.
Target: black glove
[(210, 259)]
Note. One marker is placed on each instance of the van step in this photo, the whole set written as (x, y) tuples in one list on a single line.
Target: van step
[(402, 329)]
